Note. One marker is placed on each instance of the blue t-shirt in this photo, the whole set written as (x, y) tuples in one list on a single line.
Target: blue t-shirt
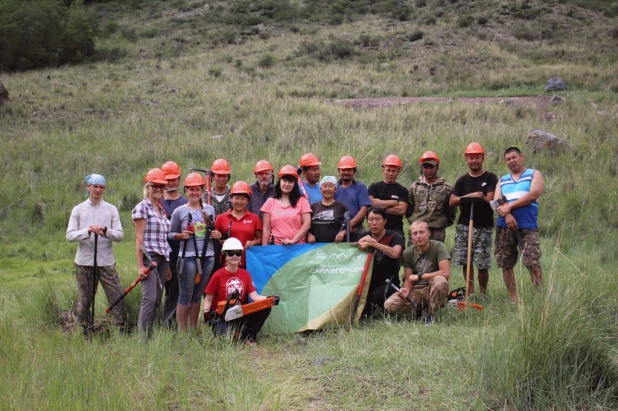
[(354, 197), (513, 190), (313, 190)]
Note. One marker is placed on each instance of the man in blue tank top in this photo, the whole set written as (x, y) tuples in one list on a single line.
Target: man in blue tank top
[(517, 221)]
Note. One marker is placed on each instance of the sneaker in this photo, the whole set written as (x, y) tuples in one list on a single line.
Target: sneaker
[(429, 319)]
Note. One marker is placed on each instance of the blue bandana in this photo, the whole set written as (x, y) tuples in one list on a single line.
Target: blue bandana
[(95, 179)]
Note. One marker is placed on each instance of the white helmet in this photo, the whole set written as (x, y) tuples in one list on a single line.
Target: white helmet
[(232, 244)]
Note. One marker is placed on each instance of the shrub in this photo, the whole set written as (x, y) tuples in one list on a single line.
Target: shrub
[(267, 61), (465, 20), (44, 33), (341, 49), (417, 35), (482, 20), (420, 3)]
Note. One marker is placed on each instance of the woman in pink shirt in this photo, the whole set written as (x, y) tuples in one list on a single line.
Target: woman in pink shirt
[(287, 215)]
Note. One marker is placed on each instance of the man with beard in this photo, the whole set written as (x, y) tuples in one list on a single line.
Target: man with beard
[(310, 167), (427, 270), (429, 198), (170, 202), (353, 194), (517, 222), (390, 195), (477, 185), (263, 188)]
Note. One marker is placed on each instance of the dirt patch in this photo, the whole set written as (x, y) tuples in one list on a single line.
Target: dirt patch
[(541, 103)]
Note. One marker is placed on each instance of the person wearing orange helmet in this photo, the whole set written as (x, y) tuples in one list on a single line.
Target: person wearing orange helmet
[(239, 222), (428, 198), (353, 194), (476, 185), (190, 222), (172, 200), (263, 188), (310, 166), (151, 229), (390, 195), (220, 193), (287, 215), (101, 218)]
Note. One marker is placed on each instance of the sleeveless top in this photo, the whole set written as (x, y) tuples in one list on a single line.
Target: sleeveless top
[(515, 189)]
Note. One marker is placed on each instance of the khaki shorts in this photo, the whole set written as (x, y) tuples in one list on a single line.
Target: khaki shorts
[(506, 247)]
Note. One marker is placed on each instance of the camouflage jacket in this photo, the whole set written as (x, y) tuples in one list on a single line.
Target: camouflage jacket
[(220, 206), (429, 203)]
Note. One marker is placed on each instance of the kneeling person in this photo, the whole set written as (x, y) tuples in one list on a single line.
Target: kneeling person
[(223, 284), (426, 271)]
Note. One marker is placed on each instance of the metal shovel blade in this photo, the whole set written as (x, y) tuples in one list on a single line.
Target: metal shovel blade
[(233, 313)]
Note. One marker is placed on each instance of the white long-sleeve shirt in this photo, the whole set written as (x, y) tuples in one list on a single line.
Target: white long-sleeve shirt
[(83, 216)]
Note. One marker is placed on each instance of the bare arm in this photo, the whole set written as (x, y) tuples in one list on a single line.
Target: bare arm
[(359, 217), (207, 302), (140, 229), (369, 241), (306, 225), (266, 228), (256, 241), (536, 189), (256, 297)]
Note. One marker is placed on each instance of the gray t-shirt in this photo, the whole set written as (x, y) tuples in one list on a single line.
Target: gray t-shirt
[(180, 220)]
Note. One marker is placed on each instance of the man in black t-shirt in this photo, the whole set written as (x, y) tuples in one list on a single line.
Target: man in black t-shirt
[(477, 185), (387, 246), (390, 195)]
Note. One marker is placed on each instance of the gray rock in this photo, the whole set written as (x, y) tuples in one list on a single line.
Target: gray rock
[(555, 84), (4, 94), (550, 117), (539, 140), (556, 99)]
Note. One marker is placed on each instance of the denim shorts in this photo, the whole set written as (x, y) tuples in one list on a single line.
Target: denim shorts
[(191, 293)]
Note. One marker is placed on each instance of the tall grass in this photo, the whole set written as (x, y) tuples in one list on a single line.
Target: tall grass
[(558, 352)]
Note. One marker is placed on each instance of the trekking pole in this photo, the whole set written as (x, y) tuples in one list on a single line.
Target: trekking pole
[(95, 279), (346, 219), (151, 267), (361, 285)]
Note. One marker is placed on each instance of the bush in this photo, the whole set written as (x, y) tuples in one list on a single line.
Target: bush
[(267, 61), (482, 20), (44, 33), (465, 20), (417, 35)]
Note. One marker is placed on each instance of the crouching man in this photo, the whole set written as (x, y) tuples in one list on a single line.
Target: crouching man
[(426, 275)]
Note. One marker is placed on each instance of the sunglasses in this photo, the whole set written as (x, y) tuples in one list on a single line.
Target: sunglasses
[(234, 253)]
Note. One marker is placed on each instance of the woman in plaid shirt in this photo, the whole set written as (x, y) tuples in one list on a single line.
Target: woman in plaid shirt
[(151, 229)]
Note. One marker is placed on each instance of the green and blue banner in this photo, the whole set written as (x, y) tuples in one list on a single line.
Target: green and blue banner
[(317, 283)]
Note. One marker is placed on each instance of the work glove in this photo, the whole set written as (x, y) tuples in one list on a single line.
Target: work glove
[(276, 299)]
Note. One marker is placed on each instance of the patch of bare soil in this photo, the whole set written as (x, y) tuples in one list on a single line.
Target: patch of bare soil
[(539, 102)]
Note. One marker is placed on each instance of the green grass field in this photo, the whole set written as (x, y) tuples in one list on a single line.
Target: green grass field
[(191, 82)]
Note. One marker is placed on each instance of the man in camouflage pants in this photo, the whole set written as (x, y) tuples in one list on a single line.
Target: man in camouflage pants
[(477, 185), (101, 218), (429, 199)]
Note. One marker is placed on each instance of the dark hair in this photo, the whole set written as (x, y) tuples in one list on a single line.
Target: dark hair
[(511, 149), (241, 194), (294, 194), (378, 211)]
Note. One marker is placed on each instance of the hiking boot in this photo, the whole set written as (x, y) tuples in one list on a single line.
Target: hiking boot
[(429, 319)]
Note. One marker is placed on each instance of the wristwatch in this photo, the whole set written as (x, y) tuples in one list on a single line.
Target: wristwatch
[(420, 277)]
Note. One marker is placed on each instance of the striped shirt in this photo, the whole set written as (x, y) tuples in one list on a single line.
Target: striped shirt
[(157, 227), (514, 190)]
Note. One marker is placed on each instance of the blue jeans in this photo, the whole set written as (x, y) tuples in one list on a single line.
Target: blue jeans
[(191, 293)]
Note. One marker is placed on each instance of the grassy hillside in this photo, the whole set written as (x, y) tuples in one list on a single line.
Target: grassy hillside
[(194, 81)]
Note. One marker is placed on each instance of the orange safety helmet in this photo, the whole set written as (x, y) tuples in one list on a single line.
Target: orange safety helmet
[(309, 160), (429, 156), (347, 162), (262, 166), (240, 187), (155, 176), (220, 166), (171, 170), (392, 160), (194, 180), (287, 170), (474, 148)]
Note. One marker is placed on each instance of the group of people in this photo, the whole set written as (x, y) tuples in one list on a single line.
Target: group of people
[(198, 240)]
